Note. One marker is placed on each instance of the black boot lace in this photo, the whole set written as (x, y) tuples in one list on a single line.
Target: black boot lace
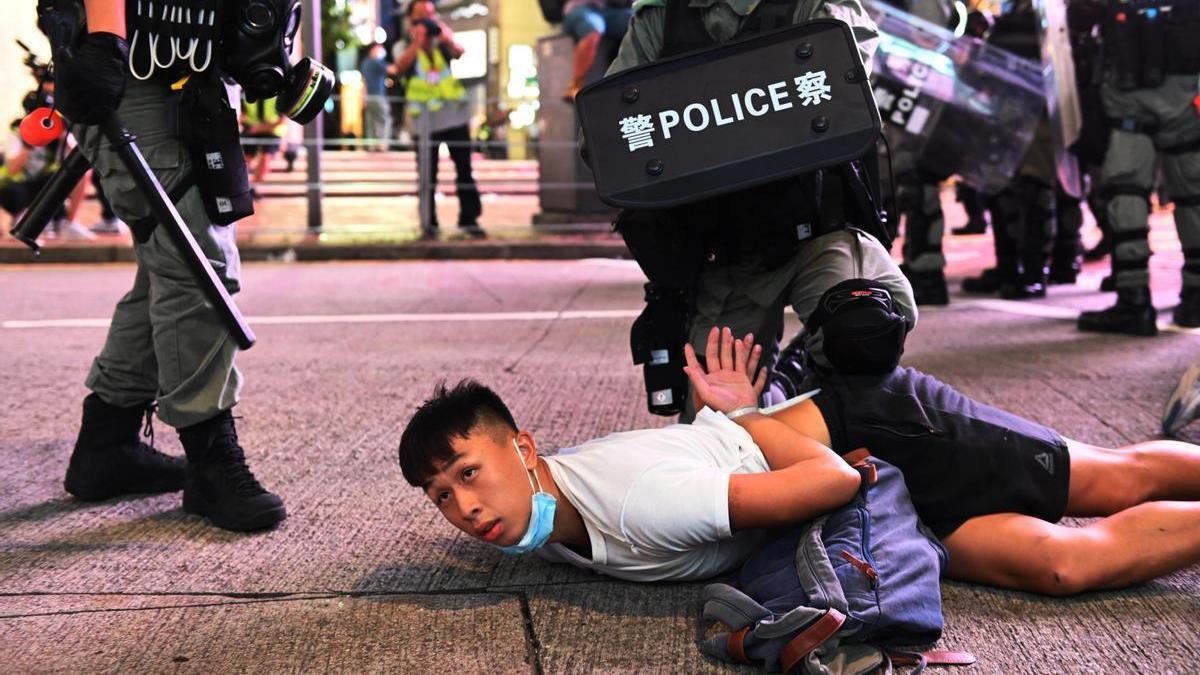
[(233, 461), (148, 453), (148, 427)]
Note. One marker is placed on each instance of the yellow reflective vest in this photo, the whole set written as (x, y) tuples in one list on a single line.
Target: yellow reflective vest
[(432, 83), (263, 112)]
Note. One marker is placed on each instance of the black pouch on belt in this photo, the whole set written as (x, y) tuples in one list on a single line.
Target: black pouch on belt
[(1152, 34), (1121, 36), (656, 340), (210, 132)]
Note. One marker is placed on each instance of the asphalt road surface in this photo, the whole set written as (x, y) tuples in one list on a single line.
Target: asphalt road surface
[(364, 576)]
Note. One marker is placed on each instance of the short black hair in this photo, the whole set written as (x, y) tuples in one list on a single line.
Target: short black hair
[(408, 9), (448, 414)]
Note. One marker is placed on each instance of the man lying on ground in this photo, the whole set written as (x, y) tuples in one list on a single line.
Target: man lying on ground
[(692, 501)]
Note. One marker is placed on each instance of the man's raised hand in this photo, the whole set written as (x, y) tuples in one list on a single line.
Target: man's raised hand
[(731, 378)]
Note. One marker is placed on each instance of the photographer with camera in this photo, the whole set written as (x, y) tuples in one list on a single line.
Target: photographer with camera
[(168, 349), (438, 106)]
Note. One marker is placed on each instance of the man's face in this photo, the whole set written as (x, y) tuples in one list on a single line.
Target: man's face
[(483, 489), (423, 9)]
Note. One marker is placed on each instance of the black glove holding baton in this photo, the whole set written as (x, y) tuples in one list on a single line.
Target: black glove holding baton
[(90, 78)]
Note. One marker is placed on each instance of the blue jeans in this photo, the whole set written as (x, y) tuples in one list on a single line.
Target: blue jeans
[(610, 21)]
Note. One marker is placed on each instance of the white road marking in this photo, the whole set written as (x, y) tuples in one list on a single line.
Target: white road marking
[(587, 314), (1030, 309)]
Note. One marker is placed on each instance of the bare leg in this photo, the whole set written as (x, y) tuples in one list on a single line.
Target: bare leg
[(260, 169), (75, 199), (1024, 553), (1105, 481), (585, 56)]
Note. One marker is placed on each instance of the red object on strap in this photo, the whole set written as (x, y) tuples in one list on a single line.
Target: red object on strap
[(1196, 104), (42, 127)]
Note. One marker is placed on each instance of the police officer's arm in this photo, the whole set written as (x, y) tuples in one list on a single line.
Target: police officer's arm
[(644, 39), (106, 16), (806, 478)]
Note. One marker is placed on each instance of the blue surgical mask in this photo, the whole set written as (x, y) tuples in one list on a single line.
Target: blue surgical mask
[(541, 516)]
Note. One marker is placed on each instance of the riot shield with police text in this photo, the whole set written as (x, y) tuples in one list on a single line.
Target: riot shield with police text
[(742, 114), (963, 106)]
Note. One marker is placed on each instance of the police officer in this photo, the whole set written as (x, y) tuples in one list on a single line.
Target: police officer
[(1023, 214), (166, 347), (919, 191), (1151, 99), (756, 260)]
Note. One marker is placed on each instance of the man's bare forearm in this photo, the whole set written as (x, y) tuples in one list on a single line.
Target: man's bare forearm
[(791, 495), (106, 16), (783, 445)]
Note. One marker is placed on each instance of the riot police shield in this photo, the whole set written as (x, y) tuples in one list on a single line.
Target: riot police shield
[(728, 118), (964, 107), (1062, 92)]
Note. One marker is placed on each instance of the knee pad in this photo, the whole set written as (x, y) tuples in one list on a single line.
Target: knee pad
[(863, 331)]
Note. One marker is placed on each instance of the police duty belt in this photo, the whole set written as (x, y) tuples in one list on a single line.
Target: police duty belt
[(718, 120)]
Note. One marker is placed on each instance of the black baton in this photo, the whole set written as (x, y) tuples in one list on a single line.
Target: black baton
[(124, 143), (50, 199)]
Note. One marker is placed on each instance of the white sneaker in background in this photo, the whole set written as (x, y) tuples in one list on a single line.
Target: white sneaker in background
[(75, 231), (110, 226)]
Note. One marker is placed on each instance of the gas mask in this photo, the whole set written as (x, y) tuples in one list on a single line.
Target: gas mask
[(256, 50)]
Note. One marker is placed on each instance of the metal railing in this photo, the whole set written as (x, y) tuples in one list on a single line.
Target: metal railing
[(385, 168)]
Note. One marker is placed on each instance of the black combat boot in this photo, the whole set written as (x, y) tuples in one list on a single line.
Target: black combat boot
[(111, 460), (1030, 284), (975, 225), (1132, 315), (929, 287), (1065, 270), (1100, 250), (986, 283), (1187, 314), (219, 484)]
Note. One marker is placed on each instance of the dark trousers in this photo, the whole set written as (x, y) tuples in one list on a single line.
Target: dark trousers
[(1023, 229), (458, 140), (106, 209)]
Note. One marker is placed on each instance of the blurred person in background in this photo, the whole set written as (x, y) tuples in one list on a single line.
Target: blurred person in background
[(588, 22), (437, 103), (263, 129), (26, 169), (377, 111)]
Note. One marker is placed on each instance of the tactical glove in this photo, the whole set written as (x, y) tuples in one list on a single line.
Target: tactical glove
[(90, 79)]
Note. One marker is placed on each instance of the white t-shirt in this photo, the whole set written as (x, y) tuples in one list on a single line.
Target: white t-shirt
[(656, 502)]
